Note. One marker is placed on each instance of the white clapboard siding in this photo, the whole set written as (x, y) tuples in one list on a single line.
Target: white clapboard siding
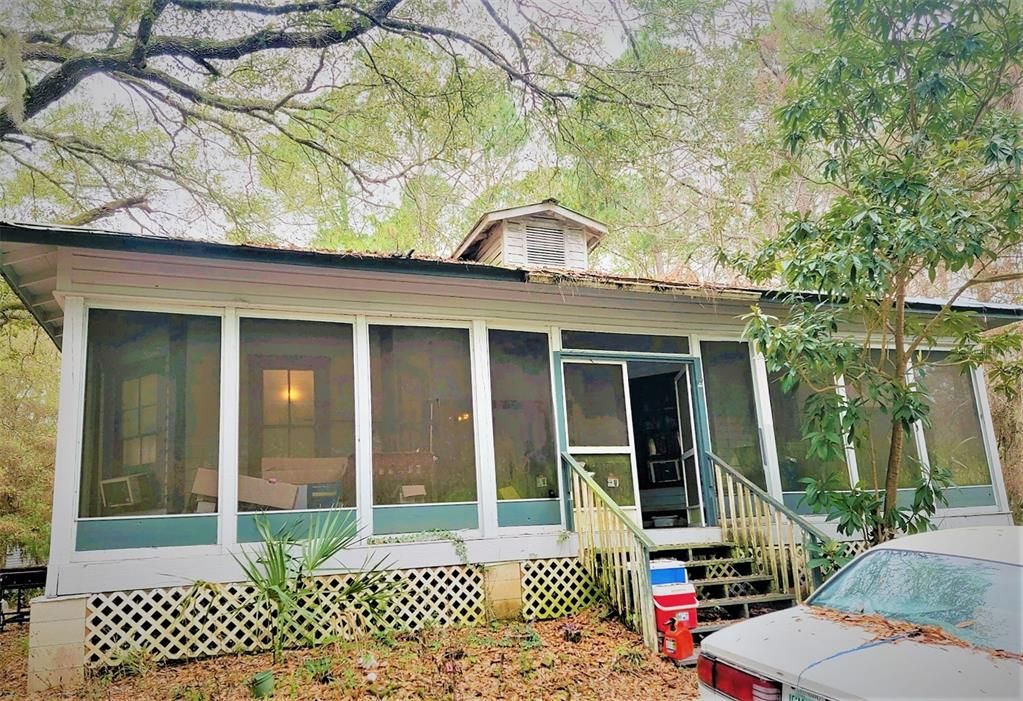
[(212, 281)]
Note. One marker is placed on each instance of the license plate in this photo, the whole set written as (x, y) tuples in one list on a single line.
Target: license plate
[(790, 694)]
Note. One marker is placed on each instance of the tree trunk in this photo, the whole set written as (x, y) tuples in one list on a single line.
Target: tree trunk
[(891, 483)]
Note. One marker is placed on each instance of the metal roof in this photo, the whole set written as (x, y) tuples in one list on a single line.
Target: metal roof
[(32, 271)]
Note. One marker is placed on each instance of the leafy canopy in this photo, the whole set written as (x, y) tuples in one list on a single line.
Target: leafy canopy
[(906, 113)]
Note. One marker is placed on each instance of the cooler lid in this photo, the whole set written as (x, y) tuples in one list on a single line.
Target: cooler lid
[(666, 563)]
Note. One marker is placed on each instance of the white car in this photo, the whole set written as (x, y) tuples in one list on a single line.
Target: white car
[(966, 582)]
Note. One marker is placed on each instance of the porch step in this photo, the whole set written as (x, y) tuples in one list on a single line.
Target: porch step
[(692, 552), (732, 587), (747, 600)]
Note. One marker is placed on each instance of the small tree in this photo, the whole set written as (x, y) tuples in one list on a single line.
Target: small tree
[(907, 113)]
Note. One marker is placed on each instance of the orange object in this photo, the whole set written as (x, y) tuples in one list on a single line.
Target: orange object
[(678, 641)]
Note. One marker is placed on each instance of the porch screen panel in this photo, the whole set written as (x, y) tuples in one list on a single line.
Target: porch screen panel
[(731, 407), (954, 435), (875, 440), (613, 474), (423, 436), (595, 400), (152, 417), (296, 446), (625, 342), (794, 462), (525, 449)]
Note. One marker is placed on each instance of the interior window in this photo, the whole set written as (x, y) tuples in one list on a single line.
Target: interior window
[(794, 463), (731, 407), (423, 436), (525, 450), (626, 342), (152, 414), (297, 415), (954, 437)]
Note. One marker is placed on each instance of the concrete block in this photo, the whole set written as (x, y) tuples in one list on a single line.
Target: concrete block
[(48, 657), (69, 678), (62, 609), (45, 633), (503, 584)]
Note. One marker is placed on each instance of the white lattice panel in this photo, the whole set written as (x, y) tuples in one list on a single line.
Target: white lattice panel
[(188, 622), (554, 588)]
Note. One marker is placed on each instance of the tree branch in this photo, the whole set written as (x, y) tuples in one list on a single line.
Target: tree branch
[(109, 209)]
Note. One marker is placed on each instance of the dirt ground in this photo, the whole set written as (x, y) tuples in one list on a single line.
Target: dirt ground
[(500, 661)]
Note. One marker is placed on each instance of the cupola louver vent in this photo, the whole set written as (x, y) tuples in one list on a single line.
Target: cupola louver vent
[(545, 244)]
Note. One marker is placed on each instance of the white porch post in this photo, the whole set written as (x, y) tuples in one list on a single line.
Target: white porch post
[(363, 430), (68, 458), (230, 354), (486, 481)]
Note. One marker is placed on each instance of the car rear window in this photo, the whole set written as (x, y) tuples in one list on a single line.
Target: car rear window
[(978, 601)]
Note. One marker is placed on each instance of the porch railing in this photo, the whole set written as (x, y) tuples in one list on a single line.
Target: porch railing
[(776, 537), (613, 549)]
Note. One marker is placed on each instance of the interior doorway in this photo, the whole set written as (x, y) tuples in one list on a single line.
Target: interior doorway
[(664, 433)]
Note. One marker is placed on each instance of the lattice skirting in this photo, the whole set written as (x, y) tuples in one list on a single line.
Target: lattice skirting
[(216, 619), (554, 588)]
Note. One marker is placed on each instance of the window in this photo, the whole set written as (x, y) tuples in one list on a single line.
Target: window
[(793, 461), (525, 450), (423, 436), (152, 414), (954, 437), (731, 407), (625, 342), (297, 415)]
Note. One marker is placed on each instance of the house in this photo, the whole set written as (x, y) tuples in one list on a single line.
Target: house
[(503, 425)]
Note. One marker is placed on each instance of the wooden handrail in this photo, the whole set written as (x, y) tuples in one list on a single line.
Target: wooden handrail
[(613, 549), (765, 529)]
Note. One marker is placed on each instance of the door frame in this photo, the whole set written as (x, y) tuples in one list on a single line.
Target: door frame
[(697, 390)]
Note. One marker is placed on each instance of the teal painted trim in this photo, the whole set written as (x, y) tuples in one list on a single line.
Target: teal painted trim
[(627, 355), (148, 532), (415, 518), (247, 532), (965, 497), (546, 512), (703, 442), (958, 498)]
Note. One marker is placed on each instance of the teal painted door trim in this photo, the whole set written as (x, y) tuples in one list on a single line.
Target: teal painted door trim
[(148, 532), (416, 518), (700, 414), (538, 512), (247, 532)]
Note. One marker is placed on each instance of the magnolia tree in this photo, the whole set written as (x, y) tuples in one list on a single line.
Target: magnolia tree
[(910, 114)]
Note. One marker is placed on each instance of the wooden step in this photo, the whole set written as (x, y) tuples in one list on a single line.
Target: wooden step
[(732, 580), (758, 599)]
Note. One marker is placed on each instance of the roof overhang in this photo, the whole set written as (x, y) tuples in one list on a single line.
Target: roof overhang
[(594, 229)]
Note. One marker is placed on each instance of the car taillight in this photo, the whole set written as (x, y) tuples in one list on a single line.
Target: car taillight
[(734, 682)]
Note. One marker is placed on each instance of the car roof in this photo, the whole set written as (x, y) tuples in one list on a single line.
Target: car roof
[(999, 543)]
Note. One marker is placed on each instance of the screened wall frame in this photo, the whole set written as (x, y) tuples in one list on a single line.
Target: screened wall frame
[(553, 335), (71, 522), (483, 515)]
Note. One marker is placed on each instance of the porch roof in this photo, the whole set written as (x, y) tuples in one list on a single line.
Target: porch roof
[(28, 262)]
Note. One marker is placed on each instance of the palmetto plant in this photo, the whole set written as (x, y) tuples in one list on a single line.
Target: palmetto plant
[(281, 572)]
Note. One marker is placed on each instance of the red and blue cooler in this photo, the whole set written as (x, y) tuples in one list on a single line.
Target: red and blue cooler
[(675, 601)]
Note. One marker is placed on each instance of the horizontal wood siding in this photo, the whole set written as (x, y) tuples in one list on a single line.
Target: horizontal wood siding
[(204, 281), (575, 249), (514, 243)]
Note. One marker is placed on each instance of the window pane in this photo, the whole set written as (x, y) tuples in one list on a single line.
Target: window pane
[(613, 474), (731, 407), (423, 442), (634, 342), (297, 415), (954, 438), (525, 450), (793, 463), (152, 414), (595, 400)]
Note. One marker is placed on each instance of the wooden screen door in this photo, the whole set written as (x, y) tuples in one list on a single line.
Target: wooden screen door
[(692, 483), (599, 426)]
